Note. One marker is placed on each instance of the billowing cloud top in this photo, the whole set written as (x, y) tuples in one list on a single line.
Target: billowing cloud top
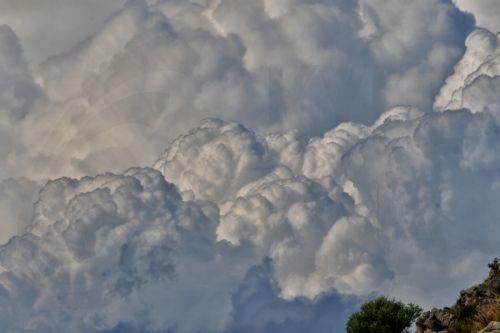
[(156, 68), (315, 153)]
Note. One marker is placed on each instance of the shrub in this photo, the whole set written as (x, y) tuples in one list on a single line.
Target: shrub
[(383, 315), (476, 320), (465, 312)]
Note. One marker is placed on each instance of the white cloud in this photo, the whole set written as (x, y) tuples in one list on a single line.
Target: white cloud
[(475, 82), (236, 230), (293, 64), (126, 252), (286, 218), (427, 189), (111, 250), (137, 250), (215, 160), (406, 181)]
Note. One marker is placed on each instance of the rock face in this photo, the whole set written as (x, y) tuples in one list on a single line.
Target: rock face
[(477, 309), (493, 327)]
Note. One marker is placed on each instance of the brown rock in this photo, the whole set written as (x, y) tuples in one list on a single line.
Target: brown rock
[(475, 306), (493, 327)]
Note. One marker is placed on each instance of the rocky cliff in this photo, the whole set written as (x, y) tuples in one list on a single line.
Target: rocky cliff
[(477, 309)]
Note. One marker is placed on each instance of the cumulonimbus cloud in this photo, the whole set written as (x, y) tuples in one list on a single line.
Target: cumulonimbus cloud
[(475, 82), (485, 12), (120, 239), (322, 175), (156, 68)]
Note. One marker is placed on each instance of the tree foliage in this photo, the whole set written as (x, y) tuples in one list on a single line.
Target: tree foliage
[(383, 315)]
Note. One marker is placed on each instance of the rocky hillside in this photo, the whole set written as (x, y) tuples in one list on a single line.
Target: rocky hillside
[(477, 309)]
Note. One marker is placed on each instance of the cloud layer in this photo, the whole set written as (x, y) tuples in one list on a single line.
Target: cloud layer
[(349, 148), (154, 69), (394, 207), (333, 218)]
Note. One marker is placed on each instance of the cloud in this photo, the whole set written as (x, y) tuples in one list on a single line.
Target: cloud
[(321, 175), (55, 26), (486, 12), (397, 205), (332, 212), (18, 93), (16, 83), (474, 84), (421, 181), (125, 252), (417, 43), (215, 160), (258, 307), (17, 198), (273, 67), (115, 249)]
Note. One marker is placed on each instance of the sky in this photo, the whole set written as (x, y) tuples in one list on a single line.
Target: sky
[(233, 166)]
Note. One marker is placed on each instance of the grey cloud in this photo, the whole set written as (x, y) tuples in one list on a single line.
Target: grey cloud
[(400, 35), (18, 93), (400, 183), (49, 27), (257, 307), (273, 67), (124, 253), (422, 189), (108, 250), (16, 84), (486, 12), (17, 198), (399, 205), (345, 182)]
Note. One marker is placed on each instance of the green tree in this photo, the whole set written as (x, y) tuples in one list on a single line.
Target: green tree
[(383, 315)]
